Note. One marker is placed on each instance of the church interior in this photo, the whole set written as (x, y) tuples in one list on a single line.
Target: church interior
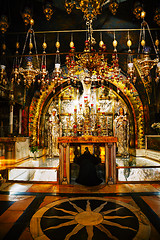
[(79, 119)]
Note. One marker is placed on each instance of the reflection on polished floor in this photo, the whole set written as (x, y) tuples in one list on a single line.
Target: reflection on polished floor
[(41, 211), (52, 211)]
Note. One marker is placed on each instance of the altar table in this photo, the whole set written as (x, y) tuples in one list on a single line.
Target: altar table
[(110, 155)]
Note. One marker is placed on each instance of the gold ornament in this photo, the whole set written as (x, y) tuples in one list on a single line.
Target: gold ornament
[(17, 45), (71, 44), (26, 15), (101, 43), (44, 45), (57, 44), (137, 10), (30, 45), (143, 14), (48, 11), (129, 43), (143, 43), (115, 43), (32, 22), (4, 46), (113, 5), (90, 8), (4, 24), (157, 16), (157, 42)]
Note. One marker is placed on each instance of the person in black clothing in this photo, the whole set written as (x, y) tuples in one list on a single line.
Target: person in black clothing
[(87, 172)]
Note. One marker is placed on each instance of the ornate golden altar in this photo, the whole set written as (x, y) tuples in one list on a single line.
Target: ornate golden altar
[(65, 144)]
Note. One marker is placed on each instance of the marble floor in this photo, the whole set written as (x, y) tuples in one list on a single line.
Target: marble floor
[(68, 212), (48, 211)]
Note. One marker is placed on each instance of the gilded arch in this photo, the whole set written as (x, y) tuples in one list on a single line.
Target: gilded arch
[(132, 99)]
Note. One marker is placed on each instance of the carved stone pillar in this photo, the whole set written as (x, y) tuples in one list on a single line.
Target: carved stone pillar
[(20, 121), (11, 119), (110, 149), (64, 163)]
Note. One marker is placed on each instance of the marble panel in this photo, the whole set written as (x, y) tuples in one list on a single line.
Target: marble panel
[(153, 202), (21, 204), (139, 174), (154, 234), (10, 216), (41, 188), (4, 228), (46, 175), (18, 187), (153, 155), (156, 186), (26, 235), (22, 148), (136, 161), (142, 188), (49, 199)]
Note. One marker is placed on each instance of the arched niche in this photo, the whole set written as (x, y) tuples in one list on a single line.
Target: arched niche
[(129, 96)]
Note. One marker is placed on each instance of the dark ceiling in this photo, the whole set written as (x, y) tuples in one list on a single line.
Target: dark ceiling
[(62, 21)]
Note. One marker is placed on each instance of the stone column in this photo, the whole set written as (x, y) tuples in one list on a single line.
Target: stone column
[(110, 149), (64, 163), (11, 96), (11, 119), (20, 121)]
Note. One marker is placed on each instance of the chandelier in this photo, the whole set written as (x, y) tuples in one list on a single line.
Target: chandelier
[(48, 10), (3, 24), (94, 64), (3, 73), (130, 65), (113, 6), (138, 8), (144, 62), (29, 73), (27, 15), (91, 8), (31, 68), (43, 73), (91, 60), (157, 16)]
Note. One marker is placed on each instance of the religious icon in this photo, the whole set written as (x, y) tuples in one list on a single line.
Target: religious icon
[(121, 131)]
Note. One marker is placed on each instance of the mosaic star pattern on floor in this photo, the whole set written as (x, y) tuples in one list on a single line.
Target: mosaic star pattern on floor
[(89, 218)]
